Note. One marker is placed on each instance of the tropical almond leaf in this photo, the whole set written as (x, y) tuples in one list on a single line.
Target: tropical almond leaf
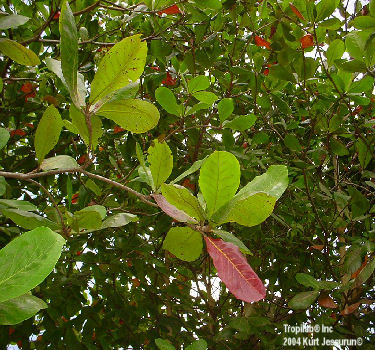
[(183, 242), (134, 115), (28, 220), (182, 199), (201, 82), (225, 108), (234, 270), (326, 301), (122, 64), (219, 179), (21, 308), (48, 132), (59, 162), (27, 260), (69, 51), (12, 21), (18, 53), (229, 237), (171, 210), (4, 137), (303, 300), (161, 162), (168, 101)]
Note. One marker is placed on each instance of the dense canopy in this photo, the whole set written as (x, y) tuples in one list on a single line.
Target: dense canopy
[(186, 175)]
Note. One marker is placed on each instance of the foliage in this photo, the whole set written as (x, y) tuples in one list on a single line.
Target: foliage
[(153, 136)]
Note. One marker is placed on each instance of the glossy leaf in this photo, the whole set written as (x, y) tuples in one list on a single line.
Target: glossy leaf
[(172, 211), (4, 137), (195, 167), (234, 270), (161, 162), (134, 115), (69, 51), (168, 101), (21, 308), (325, 8), (183, 242), (229, 237), (205, 97), (164, 344), (48, 132), (18, 53), (18, 204), (182, 199), (225, 108), (198, 345), (219, 179), (12, 21), (29, 220), (59, 162), (241, 123), (201, 82), (303, 300), (27, 260), (335, 51), (122, 65), (119, 220)]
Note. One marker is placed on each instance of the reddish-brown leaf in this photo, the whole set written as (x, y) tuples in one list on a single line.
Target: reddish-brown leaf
[(234, 270), (296, 12), (261, 42), (307, 41), (327, 301), (350, 309), (169, 81), (356, 273), (317, 247), (171, 10), (18, 132), (171, 210)]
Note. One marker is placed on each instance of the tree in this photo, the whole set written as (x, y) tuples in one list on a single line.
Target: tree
[(186, 175)]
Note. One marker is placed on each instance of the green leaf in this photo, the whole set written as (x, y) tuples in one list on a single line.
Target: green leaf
[(292, 143), (79, 122), (101, 210), (335, 51), (364, 153), (279, 72), (219, 179), (184, 242), (87, 219), (167, 100), (18, 204), (134, 115), (182, 199), (164, 344), (59, 162), (28, 220), (21, 308), (353, 66), (241, 123), (205, 97), (364, 85), (303, 300), (201, 82), (91, 185), (198, 345), (332, 23), (48, 132), (371, 7), (1, 84), (120, 219), (359, 203), (364, 22), (366, 273), (229, 237), (69, 52), (18, 53), (225, 108), (4, 137), (3, 185), (249, 212), (123, 64), (338, 147), (27, 260), (12, 21), (195, 167), (209, 4), (325, 8), (161, 162), (355, 45), (307, 280)]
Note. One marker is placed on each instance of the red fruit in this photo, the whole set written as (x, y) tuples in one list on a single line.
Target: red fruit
[(118, 176), (117, 129), (266, 71), (172, 10), (307, 41), (79, 253), (27, 88), (56, 15), (121, 322), (18, 132), (261, 42), (245, 145), (169, 81), (75, 198)]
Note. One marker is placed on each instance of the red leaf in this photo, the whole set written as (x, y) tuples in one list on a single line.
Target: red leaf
[(75, 198), (356, 273), (171, 210), (82, 159), (317, 247), (117, 129), (169, 80), (266, 71), (261, 42), (18, 132), (307, 41), (56, 15), (172, 10), (296, 12), (350, 309), (234, 270), (27, 88), (155, 68), (327, 301)]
